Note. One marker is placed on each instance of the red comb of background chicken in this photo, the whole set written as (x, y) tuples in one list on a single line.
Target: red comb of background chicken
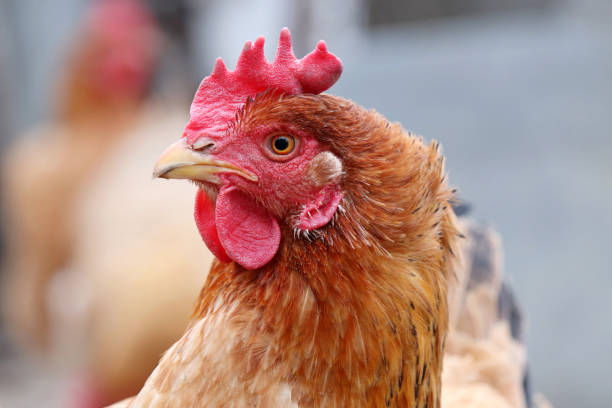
[(117, 52), (114, 18), (221, 94)]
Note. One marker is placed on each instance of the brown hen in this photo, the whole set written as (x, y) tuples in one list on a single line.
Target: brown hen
[(336, 244)]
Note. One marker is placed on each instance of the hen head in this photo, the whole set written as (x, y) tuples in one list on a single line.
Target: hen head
[(275, 162), (251, 148)]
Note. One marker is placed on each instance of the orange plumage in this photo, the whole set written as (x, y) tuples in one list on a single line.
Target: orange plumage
[(351, 314)]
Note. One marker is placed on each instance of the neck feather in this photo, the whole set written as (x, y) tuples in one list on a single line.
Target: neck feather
[(359, 309)]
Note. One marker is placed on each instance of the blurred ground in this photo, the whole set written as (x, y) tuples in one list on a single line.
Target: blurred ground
[(521, 103)]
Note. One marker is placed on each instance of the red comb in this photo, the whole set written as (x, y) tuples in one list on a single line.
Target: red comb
[(116, 17), (221, 94)]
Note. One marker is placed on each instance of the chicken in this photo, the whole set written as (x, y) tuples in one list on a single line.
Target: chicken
[(106, 80), (484, 360), (335, 240), (108, 303), (118, 304), (81, 301)]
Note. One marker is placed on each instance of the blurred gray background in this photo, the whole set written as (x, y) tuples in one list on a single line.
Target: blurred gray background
[(518, 92)]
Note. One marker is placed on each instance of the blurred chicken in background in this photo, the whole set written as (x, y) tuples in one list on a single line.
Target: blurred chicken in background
[(105, 80), (136, 275), (88, 267), (485, 357)]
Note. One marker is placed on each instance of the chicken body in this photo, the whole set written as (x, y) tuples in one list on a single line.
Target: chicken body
[(39, 206), (44, 172), (484, 358), (89, 273), (118, 305), (354, 315)]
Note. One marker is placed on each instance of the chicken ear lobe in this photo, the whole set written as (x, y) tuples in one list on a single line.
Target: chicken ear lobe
[(248, 233), (321, 209)]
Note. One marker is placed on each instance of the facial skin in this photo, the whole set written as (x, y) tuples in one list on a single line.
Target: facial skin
[(282, 185)]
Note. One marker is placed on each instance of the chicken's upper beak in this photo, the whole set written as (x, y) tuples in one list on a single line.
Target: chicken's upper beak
[(181, 161)]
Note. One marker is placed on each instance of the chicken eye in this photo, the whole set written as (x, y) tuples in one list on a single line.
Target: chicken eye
[(283, 144)]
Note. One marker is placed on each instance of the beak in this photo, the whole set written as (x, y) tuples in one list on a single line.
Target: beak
[(181, 161)]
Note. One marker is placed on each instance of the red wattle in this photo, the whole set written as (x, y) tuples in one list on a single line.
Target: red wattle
[(249, 234), (205, 221)]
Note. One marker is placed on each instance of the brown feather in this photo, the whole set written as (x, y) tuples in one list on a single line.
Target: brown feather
[(354, 314)]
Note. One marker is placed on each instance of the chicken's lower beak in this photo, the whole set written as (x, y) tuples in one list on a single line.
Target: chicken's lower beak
[(180, 161)]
